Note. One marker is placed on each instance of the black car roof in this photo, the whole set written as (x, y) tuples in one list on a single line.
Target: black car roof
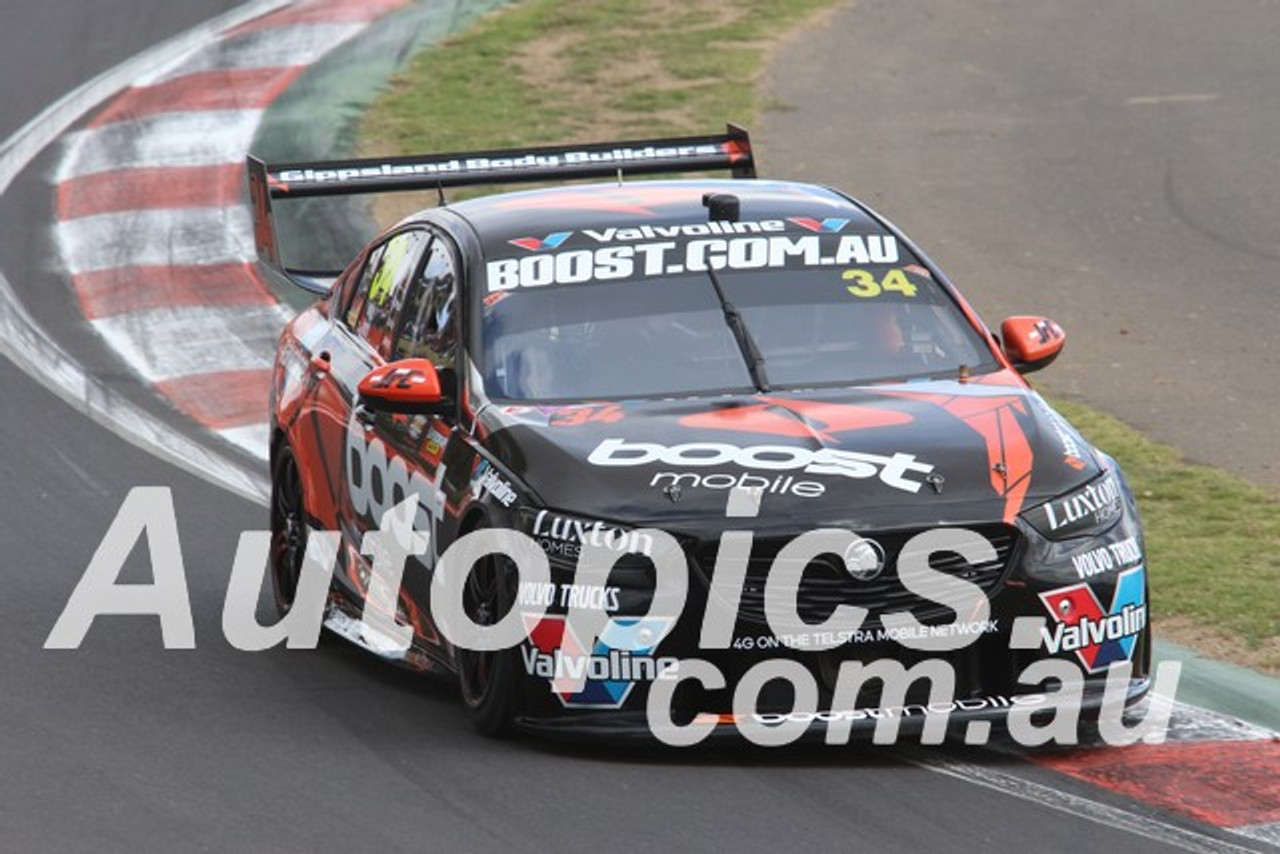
[(499, 219)]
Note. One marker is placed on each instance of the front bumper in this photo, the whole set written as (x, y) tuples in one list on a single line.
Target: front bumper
[(1089, 617), (632, 727)]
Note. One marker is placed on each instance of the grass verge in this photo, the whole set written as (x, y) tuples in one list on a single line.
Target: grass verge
[(1213, 544), (548, 71), (544, 71)]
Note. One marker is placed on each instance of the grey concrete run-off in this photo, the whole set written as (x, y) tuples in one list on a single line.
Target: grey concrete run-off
[(1115, 166), (1226, 688)]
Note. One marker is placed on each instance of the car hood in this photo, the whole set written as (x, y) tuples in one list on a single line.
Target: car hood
[(901, 455)]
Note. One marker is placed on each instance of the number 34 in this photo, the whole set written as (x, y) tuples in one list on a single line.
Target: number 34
[(867, 286)]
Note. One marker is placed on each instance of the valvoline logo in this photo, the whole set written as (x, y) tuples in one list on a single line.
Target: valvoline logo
[(1097, 637), (535, 244), (828, 225), (604, 677)]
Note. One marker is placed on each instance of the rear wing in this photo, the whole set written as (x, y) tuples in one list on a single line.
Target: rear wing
[(731, 151)]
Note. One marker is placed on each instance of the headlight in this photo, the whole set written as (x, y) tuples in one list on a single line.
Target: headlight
[(1087, 511)]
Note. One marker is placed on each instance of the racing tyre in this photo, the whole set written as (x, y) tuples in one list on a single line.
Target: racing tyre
[(489, 679), (288, 529)]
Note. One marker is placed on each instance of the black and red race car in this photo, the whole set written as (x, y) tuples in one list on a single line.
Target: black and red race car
[(593, 364)]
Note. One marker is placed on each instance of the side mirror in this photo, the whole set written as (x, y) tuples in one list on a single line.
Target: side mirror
[(410, 386), (1031, 343)]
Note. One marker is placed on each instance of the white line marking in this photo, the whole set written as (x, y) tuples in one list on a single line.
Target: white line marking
[(35, 353), (25, 344), (156, 238), (196, 138), (1268, 833), (1189, 98), (20, 149), (180, 341), (299, 44), (1078, 806)]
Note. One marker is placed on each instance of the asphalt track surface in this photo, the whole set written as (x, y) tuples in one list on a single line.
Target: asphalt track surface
[(1115, 168), (123, 746)]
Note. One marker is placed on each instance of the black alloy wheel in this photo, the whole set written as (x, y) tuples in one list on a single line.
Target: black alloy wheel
[(288, 530), (489, 679)]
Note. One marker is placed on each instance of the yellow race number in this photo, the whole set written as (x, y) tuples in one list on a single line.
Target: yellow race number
[(866, 286)]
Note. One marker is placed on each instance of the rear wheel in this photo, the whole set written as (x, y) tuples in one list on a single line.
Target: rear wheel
[(489, 680), (288, 529)]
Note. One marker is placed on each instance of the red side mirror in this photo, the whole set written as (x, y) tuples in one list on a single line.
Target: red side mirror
[(1031, 343), (409, 385)]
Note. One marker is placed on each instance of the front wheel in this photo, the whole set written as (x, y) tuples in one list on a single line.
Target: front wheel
[(489, 680)]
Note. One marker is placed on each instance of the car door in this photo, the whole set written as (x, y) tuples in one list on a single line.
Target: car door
[(365, 480), (426, 326)]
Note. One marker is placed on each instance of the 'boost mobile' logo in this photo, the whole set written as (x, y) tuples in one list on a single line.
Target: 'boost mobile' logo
[(377, 481), (774, 458)]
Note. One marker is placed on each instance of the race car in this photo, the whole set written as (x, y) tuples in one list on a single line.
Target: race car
[(695, 373)]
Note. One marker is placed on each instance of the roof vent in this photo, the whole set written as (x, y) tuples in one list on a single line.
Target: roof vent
[(721, 207)]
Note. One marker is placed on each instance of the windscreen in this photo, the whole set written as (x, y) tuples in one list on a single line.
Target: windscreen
[(655, 318)]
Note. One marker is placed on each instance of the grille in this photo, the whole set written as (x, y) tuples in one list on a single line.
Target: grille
[(826, 583)]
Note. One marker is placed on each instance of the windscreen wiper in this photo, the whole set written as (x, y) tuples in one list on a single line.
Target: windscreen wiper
[(750, 352)]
